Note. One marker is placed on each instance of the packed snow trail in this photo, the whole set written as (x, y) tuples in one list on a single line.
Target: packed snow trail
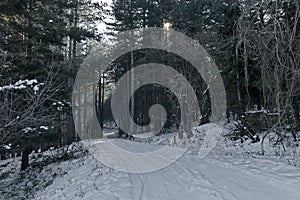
[(211, 178)]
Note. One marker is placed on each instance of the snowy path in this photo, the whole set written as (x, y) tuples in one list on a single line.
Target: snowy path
[(188, 178), (211, 179)]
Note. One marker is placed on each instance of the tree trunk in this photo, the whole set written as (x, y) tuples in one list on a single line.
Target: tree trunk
[(296, 113), (25, 159)]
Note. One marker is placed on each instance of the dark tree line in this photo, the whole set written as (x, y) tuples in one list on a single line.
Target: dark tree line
[(255, 45), (42, 44)]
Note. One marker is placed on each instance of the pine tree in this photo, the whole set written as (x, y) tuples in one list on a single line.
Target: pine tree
[(39, 40)]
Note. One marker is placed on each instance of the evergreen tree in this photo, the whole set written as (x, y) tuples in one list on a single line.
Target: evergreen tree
[(39, 40)]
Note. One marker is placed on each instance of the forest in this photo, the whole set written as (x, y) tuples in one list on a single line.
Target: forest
[(255, 45)]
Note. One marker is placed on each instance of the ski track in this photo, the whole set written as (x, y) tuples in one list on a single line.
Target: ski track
[(209, 179), (193, 178)]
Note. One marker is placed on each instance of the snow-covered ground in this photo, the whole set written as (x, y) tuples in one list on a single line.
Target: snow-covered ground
[(228, 172)]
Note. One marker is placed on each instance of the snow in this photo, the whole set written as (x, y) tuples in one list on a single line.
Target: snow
[(28, 129), (21, 84), (36, 88), (225, 4), (206, 179), (27, 82), (44, 127), (7, 147), (231, 171), (61, 105), (256, 111), (113, 134)]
